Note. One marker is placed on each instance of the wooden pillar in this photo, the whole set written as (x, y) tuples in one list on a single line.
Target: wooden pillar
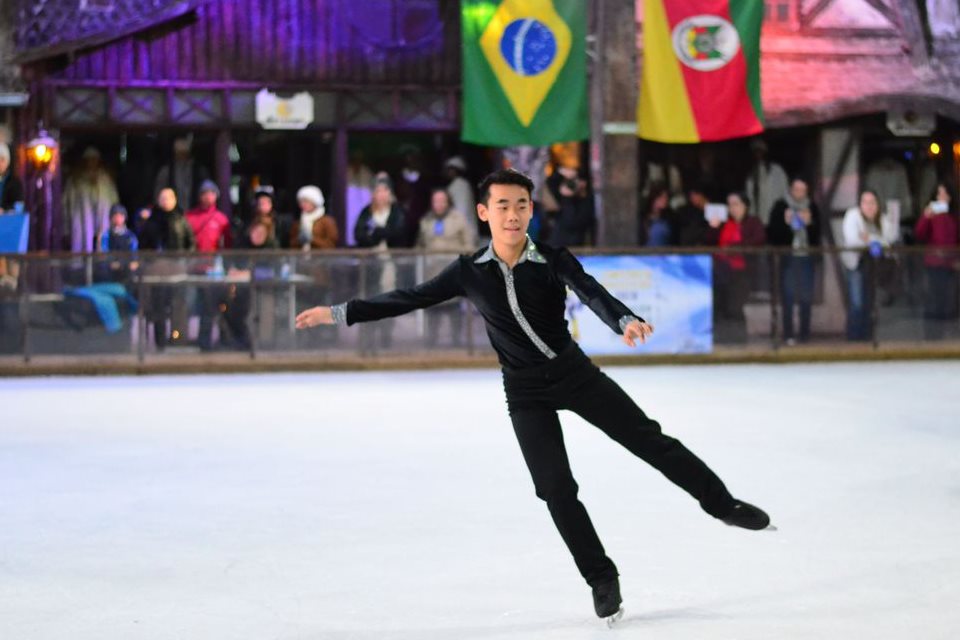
[(222, 172), (338, 183), (613, 153)]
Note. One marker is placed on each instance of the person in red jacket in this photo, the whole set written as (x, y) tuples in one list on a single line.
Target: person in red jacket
[(211, 228), (938, 227), (731, 277)]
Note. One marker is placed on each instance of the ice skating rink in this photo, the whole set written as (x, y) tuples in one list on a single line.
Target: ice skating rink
[(375, 506)]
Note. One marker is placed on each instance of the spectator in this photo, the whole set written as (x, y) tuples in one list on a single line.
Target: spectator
[(690, 227), (575, 217), (117, 239), (359, 181), (732, 279), (864, 227), (166, 229), (444, 229), (87, 198), (767, 182), (314, 229), (412, 192), (381, 226), (461, 194), (211, 228), (256, 238), (11, 190), (183, 174), (276, 224), (655, 229), (795, 223), (938, 227)]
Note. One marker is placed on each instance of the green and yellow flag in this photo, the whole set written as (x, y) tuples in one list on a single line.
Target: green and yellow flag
[(701, 70), (524, 72)]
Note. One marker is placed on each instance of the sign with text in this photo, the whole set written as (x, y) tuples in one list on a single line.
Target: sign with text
[(274, 112), (674, 293)]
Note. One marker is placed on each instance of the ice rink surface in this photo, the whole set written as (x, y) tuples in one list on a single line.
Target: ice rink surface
[(375, 506)]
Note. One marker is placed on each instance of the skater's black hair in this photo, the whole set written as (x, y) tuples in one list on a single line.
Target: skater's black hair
[(504, 176)]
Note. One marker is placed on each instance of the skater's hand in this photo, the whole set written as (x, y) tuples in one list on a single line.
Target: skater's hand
[(314, 316), (637, 330)]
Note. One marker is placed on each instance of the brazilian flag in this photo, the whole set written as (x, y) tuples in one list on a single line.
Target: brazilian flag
[(524, 72)]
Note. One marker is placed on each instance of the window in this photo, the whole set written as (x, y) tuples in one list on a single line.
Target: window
[(780, 13)]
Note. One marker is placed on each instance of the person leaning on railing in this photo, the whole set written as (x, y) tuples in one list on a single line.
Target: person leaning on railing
[(938, 227), (865, 228), (795, 223), (446, 229), (117, 239), (166, 229), (732, 278)]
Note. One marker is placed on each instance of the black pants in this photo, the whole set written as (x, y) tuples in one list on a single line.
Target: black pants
[(571, 381)]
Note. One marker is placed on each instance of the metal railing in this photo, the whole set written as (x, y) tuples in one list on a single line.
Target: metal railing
[(177, 303)]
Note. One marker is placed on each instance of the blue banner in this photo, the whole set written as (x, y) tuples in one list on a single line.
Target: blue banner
[(14, 232), (673, 293)]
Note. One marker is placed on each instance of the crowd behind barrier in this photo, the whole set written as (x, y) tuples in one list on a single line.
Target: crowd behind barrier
[(148, 305)]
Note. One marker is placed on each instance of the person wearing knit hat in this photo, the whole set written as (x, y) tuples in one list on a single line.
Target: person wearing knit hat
[(209, 186), (211, 227), (461, 193), (314, 229), (11, 191)]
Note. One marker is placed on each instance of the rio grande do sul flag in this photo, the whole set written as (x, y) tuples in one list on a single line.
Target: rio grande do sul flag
[(524, 71), (701, 70)]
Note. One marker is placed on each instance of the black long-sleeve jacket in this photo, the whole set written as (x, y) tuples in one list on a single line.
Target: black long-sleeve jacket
[(523, 307)]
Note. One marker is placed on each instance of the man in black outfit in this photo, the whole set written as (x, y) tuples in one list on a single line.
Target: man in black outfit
[(519, 289)]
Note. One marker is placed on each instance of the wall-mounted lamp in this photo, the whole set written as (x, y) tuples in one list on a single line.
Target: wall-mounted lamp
[(41, 149)]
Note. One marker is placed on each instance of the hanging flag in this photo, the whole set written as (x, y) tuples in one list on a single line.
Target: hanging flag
[(701, 70), (524, 72)]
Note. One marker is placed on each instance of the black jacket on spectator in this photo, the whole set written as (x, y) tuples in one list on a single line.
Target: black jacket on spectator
[(167, 231), (691, 229), (368, 235), (12, 191), (779, 232)]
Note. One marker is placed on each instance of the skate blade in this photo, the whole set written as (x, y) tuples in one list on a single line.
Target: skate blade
[(770, 527), (612, 620)]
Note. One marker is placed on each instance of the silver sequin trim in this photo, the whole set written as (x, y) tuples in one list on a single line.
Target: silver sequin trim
[(518, 314), (339, 312), (625, 320), (530, 252)]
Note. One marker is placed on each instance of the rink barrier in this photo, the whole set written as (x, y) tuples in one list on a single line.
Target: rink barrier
[(43, 329)]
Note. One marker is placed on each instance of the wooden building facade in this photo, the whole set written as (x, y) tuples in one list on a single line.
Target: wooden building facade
[(106, 69)]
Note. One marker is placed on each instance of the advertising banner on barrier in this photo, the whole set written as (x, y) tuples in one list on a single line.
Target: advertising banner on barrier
[(14, 232), (674, 293)]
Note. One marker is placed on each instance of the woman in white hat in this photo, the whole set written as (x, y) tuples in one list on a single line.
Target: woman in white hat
[(314, 229)]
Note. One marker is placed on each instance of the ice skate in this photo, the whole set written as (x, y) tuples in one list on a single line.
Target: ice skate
[(747, 516), (607, 601)]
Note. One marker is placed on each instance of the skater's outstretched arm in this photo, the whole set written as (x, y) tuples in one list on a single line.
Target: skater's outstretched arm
[(390, 304), (614, 313)]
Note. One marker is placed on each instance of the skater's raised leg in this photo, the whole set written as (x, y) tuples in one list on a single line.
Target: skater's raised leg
[(541, 441), (604, 404)]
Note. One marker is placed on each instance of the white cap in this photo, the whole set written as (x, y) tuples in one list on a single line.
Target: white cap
[(311, 193), (457, 163)]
